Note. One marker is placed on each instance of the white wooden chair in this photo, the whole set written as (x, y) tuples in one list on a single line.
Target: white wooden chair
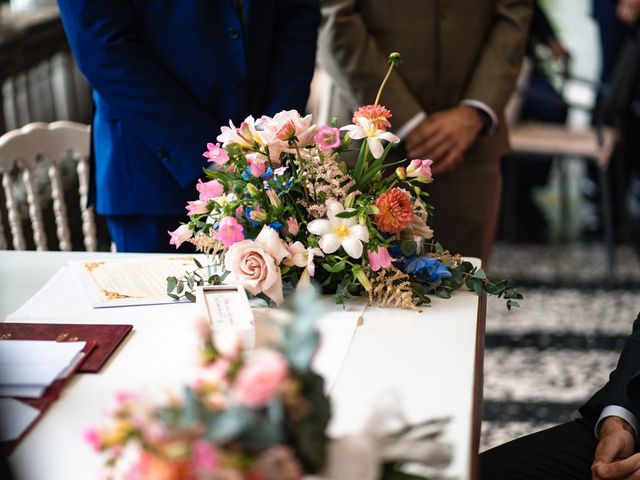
[(19, 150)]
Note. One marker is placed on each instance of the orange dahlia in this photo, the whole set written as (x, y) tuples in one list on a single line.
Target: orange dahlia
[(376, 114), (396, 211)]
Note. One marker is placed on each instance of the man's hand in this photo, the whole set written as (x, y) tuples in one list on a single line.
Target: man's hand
[(628, 11), (614, 459), (444, 137)]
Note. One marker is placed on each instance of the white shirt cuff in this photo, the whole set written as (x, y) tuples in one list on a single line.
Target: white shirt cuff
[(486, 109), (408, 127), (623, 413)]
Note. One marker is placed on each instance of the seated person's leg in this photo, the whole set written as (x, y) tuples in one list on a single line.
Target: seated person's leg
[(564, 452)]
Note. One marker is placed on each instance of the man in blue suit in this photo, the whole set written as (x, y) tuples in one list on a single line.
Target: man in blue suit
[(166, 75)]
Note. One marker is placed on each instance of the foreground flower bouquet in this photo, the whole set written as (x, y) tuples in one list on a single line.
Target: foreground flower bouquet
[(249, 415), (280, 208), (263, 415)]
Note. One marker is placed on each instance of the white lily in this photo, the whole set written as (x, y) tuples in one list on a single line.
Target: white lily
[(339, 232), (303, 257), (364, 128), (246, 135)]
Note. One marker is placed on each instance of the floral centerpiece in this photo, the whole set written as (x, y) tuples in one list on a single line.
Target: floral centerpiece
[(281, 208)]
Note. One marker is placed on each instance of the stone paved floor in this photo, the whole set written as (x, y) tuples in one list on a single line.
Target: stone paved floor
[(544, 360)]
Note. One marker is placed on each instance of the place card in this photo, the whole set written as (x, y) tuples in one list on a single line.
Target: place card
[(227, 306)]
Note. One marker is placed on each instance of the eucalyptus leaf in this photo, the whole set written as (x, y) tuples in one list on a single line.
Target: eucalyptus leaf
[(480, 274), (229, 424), (261, 434)]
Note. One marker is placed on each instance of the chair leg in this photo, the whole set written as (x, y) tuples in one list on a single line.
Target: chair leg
[(564, 230), (510, 198), (607, 216)]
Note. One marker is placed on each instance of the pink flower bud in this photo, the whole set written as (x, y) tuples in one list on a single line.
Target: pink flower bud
[(273, 198), (420, 170), (287, 132), (293, 226), (257, 164), (180, 235)]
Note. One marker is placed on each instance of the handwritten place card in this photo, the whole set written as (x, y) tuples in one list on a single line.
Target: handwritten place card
[(227, 306)]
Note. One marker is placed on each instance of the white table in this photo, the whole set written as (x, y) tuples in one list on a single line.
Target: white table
[(432, 360)]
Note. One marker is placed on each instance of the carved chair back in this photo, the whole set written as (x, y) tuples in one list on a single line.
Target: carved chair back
[(24, 149)]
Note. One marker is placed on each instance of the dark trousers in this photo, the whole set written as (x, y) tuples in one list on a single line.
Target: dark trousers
[(144, 234), (564, 452)]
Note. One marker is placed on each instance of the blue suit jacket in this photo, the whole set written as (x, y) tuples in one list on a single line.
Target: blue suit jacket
[(167, 74)]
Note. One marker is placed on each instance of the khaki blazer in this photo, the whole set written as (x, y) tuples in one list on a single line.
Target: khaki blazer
[(451, 50)]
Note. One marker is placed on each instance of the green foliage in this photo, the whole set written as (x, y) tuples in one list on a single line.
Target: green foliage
[(229, 424), (184, 286), (390, 472), (308, 432), (300, 338), (347, 289)]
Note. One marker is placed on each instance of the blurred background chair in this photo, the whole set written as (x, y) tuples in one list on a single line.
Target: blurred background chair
[(543, 140), (33, 162)]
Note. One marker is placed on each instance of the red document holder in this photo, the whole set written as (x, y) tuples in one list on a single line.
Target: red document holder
[(106, 338)]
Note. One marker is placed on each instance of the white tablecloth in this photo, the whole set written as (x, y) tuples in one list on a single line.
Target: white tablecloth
[(425, 359)]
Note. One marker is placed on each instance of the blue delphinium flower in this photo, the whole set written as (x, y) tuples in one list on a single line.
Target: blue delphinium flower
[(427, 267), (395, 251)]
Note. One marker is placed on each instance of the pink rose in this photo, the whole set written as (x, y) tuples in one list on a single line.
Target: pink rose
[(420, 170), (327, 138), (261, 378), (255, 264), (216, 154), (229, 231), (380, 259), (180, 235), (209, 190)]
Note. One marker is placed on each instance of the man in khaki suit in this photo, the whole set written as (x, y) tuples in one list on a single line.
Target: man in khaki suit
[(461, 59)]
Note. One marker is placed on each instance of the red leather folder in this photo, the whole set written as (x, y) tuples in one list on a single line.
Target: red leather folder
[(106, 338)]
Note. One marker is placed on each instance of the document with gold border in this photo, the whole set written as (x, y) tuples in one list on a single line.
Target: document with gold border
[(128, 282)]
